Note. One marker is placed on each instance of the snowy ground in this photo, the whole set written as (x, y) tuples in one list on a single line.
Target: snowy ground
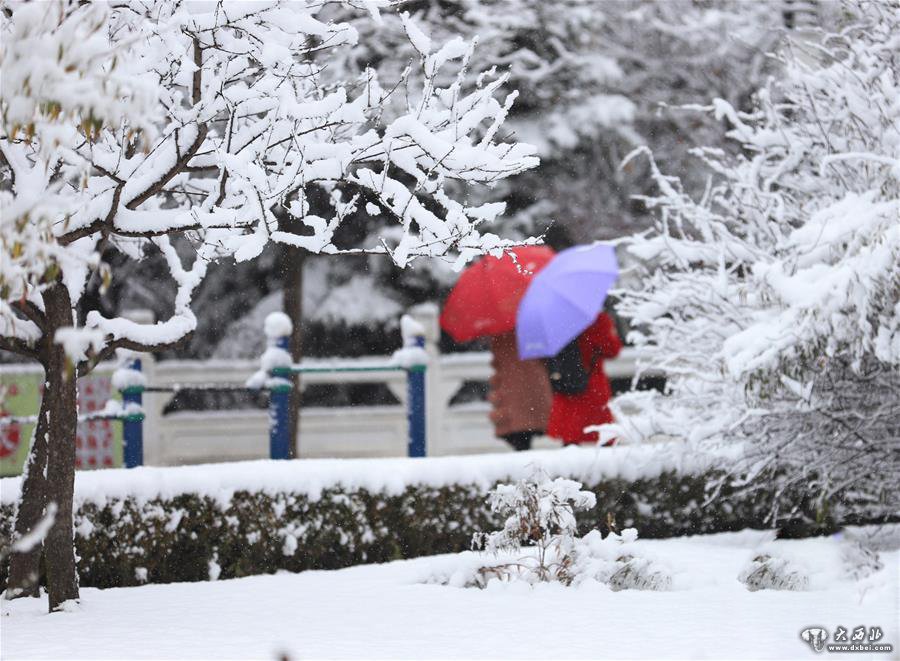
[(387, 611)]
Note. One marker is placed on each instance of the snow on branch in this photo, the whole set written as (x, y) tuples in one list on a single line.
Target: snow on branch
[(125, 124)]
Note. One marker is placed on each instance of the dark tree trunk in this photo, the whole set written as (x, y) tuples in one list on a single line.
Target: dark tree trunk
[(24, 567), (61, 395), (292, 259)]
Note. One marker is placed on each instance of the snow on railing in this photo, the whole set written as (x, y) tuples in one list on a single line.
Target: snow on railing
[(236, 434), (274, 376)]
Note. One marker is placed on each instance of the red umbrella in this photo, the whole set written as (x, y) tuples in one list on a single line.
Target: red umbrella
[(486, 297)]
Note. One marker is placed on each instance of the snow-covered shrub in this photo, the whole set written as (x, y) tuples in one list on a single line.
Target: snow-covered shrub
[(773, 301), (616, 561), (858, 560), (540, 513), (783, 565), (773, 573), (539, 542)]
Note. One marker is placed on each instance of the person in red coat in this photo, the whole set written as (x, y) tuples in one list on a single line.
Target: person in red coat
[(570, 414)]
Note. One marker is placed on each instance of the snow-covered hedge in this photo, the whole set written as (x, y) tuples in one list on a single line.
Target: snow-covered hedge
[(198, 523)]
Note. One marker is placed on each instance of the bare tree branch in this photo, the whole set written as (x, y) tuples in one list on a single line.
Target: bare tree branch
[(32, 312), (20, 347)]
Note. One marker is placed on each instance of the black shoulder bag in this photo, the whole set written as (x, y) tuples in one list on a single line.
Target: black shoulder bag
[(567, 373)]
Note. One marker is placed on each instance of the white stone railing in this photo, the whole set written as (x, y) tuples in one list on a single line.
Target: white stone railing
[(190, 437)]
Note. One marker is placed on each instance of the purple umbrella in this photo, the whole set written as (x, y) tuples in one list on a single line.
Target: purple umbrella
[(564, 299)]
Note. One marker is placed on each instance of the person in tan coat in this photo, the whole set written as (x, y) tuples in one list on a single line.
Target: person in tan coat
[(520, 394)]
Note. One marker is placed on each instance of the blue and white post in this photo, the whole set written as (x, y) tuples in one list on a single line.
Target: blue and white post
[(414, 360), (276, 361), (131, 383)]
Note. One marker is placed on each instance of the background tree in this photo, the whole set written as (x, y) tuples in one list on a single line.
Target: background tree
[(193, 134), (773, 300)]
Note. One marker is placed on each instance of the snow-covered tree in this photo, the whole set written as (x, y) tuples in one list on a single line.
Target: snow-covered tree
[(595, 80), (772, 301), (195, 133)]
